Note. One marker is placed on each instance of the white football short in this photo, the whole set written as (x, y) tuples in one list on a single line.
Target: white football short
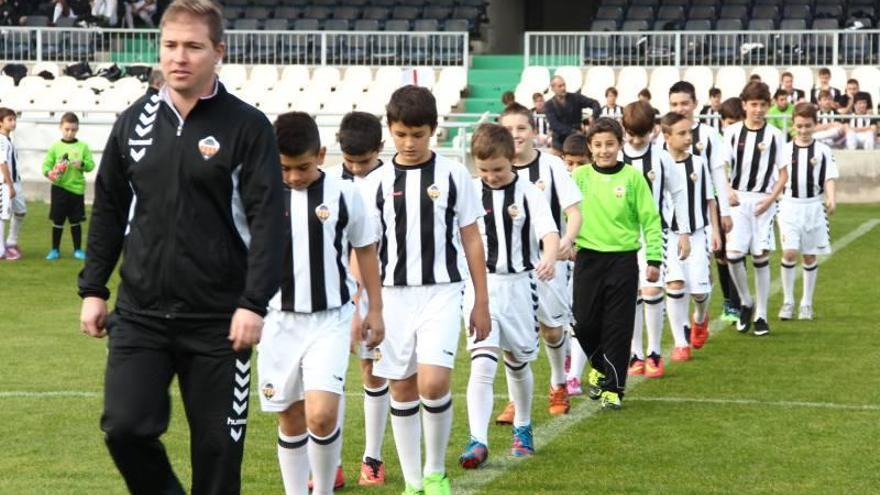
[(803, 226), (302, 351), (12, 206), (422, 325), (751, 234), (643, 262), (554, 297), (513, 305), (695, 271)]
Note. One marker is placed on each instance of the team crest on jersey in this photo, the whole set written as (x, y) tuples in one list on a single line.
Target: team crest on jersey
[(377, 355), (513, 211), (762, 146), (322, 212), (540, 184), (693, 176), (652, 176), (209, 147), (268, 391), (433, 191), (813, 161), (700, 147), (619, 191)]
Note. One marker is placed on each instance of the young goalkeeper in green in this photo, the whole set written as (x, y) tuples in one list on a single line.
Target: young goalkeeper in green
[(617, 207), (65, 166)]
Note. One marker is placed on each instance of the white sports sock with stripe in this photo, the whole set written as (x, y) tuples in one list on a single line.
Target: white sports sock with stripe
[(407, 429), (293, 459), (523, 391), (810, 274), (637, 348), (376, 406), (556, 355), (437, 419), (762, 286), (324, 455), (741, 280), (788, 272), (578, 360), (480, 395), (654, 322), (701, 306), (677, 303)]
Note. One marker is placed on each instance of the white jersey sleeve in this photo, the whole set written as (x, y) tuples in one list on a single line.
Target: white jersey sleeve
[(831, 172), (568, 192), (539, 210), (718, 169), (468, 206), (675, 189), (361, 228)]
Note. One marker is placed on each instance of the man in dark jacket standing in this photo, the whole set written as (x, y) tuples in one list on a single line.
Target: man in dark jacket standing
[(189, 191), (565, 111)]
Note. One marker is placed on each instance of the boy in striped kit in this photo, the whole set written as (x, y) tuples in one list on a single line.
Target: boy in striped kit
[(667, 183), (302, 361), (427, 208), (517, 217), (690, 274), (802, 219), (611, 108), (862, 130), (12, 203), (360, 138), (758, 175), (548, 174)]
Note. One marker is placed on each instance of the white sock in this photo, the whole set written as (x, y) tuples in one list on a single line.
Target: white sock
[(762, 286), (637, 348), (2, 236), (376, 405), (437, 419), (654, 322), (556, 355), (701, 306), (677, 303), (578, 359), (14, 230), (293, 459), (788, 274), (480, 395), (407, 429), (520, 375), (737, 267), (340, 423), (810, 274), (324, 455)]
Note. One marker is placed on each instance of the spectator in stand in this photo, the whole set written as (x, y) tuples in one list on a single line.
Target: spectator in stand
[(507, 98), (780, 114), (786, 82), (731, 112), (825, 85), (155, 82), (62, 9), (862, 131), (713, 109), (847, 99), (144, 9), (15, 12), (106, 12), (828, 130), (566, 111), (755, 78), (542, 129)]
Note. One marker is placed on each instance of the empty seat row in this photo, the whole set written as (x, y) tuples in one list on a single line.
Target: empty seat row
[(352, 13), (449, 25)]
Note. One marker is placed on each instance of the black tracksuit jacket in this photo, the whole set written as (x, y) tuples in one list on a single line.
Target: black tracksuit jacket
[(195, 207)]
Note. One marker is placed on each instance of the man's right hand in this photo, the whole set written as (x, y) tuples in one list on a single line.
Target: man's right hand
[(93, 317)]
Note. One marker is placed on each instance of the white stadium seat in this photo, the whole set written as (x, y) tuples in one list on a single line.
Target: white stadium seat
[(325, 76), (631, 80), (536, 78), (6, 84), (770, 76), (661, 79), (64, 85), (730, 80), (358, 76), (573, 77), (389, 76), (803, 79), (869, 81), (50, 67), (838, 77), (80, 99), (703, 80), (34, 83), (233, 76), (455, 77), (275, 102), (97, 83), (294, 78), (263, 76), (598, 79)]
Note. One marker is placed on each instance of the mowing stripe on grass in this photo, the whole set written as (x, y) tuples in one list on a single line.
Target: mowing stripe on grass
[(472, 481), (754, 402)]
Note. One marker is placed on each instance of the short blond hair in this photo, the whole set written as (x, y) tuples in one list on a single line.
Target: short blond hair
[(205, 10)]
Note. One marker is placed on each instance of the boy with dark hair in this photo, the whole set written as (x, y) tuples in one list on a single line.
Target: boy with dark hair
[(548, 174), (709, 114), (758, 175), (781, 109), (803, 221), (360, 138), (828, 130), (755, 78), (65, 164), (302, 359), (574, 151), (428, 208), (731, 112), (12, 203), (517, 218), (690, 274), (617, 209), (847, 100), (786, 83), (707, 143), (824, 79), (611, 108), (667, 183), (862, 130)]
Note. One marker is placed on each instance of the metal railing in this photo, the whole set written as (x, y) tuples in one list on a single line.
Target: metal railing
[(705, 48), (130, 46)]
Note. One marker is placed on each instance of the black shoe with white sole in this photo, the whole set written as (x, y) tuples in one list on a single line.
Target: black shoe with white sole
[(745, 319), (761, 327)]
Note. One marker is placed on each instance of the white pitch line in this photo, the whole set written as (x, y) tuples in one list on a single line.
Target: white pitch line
[(471, 482), (756, 402)]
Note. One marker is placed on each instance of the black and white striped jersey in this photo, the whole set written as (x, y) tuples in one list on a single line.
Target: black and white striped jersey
[(325, 219), (795, 96), (517, 217), (9, 156), (420, 210), (342, 172), (863, 120), (756, 157), (713, 119), (541, 125), (615, 112), (825, 116), (808, 169), (699, 191), (548, 174), (814, 94), (667, 182), (707, 143)]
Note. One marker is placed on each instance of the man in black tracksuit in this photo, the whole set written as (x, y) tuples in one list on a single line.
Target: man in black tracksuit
[(189, 192)]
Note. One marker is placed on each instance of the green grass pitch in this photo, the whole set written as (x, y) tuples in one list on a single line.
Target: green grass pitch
[(798, 412)]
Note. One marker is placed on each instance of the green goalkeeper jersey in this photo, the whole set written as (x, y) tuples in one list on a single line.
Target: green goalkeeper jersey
[(73, 179), (617, 208)]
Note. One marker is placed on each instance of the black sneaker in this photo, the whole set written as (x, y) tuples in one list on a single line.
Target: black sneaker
[(761, 327), (745, 319)]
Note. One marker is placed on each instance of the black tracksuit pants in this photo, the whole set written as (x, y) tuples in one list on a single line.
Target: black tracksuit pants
[(604, 304), (144, 355)]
